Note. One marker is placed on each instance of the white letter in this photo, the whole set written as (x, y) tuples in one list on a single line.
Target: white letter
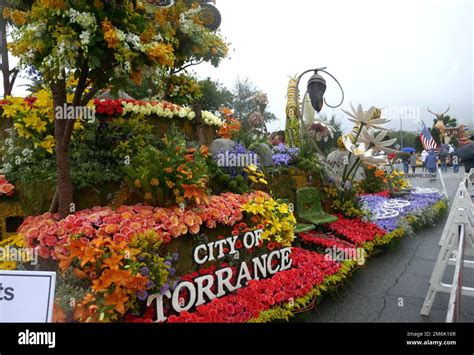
[(259, 263), (201, 289), (52, 340), (22, 338), (269, 263), (159, 305), (258, 236), (243, 273), (220, 244), (197, 260), (58, 112), (224, 281), (285, 259), (192, 297), (231, 241), (252, 243), (220, 159)]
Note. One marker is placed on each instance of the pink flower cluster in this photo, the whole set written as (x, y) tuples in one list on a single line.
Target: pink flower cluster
[(49, 233), (308, 270), (5, 187)]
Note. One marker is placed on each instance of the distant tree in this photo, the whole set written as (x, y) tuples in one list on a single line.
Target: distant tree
[(214, 95), (448, 121), (249, 102), (9, 75), (455, 142), (418, 144), (331, 144)]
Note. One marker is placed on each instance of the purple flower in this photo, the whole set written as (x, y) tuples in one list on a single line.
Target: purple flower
[(281, 159), (168, 264), (165, 288), (172, 271), (150, 284), (175, 256), (142, 295), (144, 271), (175, 284)]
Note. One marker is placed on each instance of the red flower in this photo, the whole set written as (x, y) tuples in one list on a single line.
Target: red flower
[(238, 244)]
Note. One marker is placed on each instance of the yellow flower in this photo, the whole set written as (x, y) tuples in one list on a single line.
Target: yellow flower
[(253, 178), (48, 144), (251, 168), (148, 196), (138, 183), (263, 181), (9, 111), (176, 192), (283, 208), (170, 184), (154, 182)]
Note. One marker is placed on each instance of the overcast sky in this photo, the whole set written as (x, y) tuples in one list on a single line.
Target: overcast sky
[(404, 54)]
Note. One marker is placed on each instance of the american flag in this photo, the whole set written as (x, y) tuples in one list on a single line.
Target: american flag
[(427, 139)]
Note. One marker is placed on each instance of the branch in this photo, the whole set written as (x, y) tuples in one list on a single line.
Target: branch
[(186, 66), (12, 80), (81, 85), (70, 123)]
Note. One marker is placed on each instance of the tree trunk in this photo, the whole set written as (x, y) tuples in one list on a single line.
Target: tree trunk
[(7, 87), (63, 166)]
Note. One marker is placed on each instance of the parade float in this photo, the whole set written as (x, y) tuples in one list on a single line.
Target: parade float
[(163, 213)]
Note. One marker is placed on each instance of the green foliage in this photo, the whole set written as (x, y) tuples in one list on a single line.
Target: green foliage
[(374, 180), (331, 144), (97, 153), (171, 174), (214, 95)]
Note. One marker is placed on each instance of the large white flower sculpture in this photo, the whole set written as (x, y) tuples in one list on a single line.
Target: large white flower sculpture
[(374, 140), (366, 118)]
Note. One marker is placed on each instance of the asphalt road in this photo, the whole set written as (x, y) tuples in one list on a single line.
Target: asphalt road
[(392, 286)]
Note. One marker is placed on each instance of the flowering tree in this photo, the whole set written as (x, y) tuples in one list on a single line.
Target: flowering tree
[(101, 44)]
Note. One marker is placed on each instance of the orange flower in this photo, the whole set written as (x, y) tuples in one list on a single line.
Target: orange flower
[(118, 299), (154, 182), (189, 158), (80, 274), (168, 170), (113, 262), (192, 192), (138, 183), (204, 150)]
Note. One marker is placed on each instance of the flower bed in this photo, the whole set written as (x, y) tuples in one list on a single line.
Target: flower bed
[(309, 270), (161, 109), (374, 204), (356, 230)]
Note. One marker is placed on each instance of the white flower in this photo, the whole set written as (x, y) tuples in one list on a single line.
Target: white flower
[(182, 113), (357, 150), (360, 116), (375, 141)]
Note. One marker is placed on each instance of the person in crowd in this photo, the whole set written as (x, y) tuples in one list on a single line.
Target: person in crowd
[(443, 156), (406, 163), (412, 160), (424, 154), (432, 163), (455, 161)]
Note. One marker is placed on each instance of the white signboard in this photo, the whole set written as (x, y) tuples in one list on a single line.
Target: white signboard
[(26, 296)]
